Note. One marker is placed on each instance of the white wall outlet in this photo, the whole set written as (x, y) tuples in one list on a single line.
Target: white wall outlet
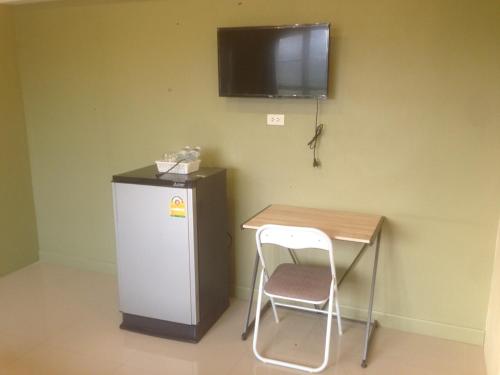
[(276, 119)]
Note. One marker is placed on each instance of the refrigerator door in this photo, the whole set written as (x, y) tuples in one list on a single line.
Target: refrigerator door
[(156, 252)]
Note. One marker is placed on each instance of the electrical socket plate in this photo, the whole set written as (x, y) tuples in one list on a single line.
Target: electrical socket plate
[(276, 119)]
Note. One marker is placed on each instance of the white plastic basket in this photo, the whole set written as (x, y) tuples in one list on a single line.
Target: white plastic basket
[(181, 168)]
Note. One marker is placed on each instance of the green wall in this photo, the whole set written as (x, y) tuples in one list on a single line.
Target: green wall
[(411, 132), (18, 242)]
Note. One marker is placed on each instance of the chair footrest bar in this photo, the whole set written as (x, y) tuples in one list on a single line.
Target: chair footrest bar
[(290, 365), (309, 309), (318, 311)]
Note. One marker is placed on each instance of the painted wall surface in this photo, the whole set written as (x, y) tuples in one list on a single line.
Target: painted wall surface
[(18, 241), (411, 132), (492, 339)]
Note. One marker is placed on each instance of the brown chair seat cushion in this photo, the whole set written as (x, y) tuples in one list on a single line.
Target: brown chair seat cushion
[(295, 281)]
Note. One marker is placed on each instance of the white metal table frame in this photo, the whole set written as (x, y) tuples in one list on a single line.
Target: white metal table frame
[(370, 323)]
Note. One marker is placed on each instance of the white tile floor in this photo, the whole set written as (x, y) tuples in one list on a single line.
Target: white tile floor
[(60, 320)]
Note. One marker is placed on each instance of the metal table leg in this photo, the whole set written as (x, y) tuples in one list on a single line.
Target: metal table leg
[(294, 257), (370, 326)]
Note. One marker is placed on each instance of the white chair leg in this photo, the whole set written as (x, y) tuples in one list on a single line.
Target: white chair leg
[(256, 336), (275, 312), (337, 310), (257, 318), (295, 366), (328, 334)]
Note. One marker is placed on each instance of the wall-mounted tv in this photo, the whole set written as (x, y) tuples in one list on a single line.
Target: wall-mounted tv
[(274, 61)]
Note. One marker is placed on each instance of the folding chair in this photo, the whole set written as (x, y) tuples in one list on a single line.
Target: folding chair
[(314, 285)]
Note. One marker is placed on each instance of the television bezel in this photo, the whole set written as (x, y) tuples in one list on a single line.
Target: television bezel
[(277, 27)]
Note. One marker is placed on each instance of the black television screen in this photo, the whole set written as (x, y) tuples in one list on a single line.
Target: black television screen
[(274, 61)]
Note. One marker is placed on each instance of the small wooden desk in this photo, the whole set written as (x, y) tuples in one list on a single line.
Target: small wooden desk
[(343, 226)]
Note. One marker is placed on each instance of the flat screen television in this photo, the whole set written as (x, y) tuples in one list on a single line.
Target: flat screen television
[(274, 61)]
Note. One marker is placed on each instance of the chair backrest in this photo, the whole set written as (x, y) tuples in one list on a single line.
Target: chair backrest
[(295, 238)]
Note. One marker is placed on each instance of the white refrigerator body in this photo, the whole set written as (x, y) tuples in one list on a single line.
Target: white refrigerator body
[(156, 252)]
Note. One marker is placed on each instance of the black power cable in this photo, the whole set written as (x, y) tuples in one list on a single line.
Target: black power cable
[(314, 142)]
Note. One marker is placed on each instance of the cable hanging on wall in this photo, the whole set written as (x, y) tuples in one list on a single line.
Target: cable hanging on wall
[(314, 142)]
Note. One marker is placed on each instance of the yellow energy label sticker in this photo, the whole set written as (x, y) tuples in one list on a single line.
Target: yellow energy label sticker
[(177, 207)]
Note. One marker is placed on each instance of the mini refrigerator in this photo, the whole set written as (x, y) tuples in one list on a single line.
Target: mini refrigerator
[(172, 249)]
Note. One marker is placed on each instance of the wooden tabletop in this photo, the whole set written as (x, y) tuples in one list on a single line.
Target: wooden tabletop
[(339, 225)]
